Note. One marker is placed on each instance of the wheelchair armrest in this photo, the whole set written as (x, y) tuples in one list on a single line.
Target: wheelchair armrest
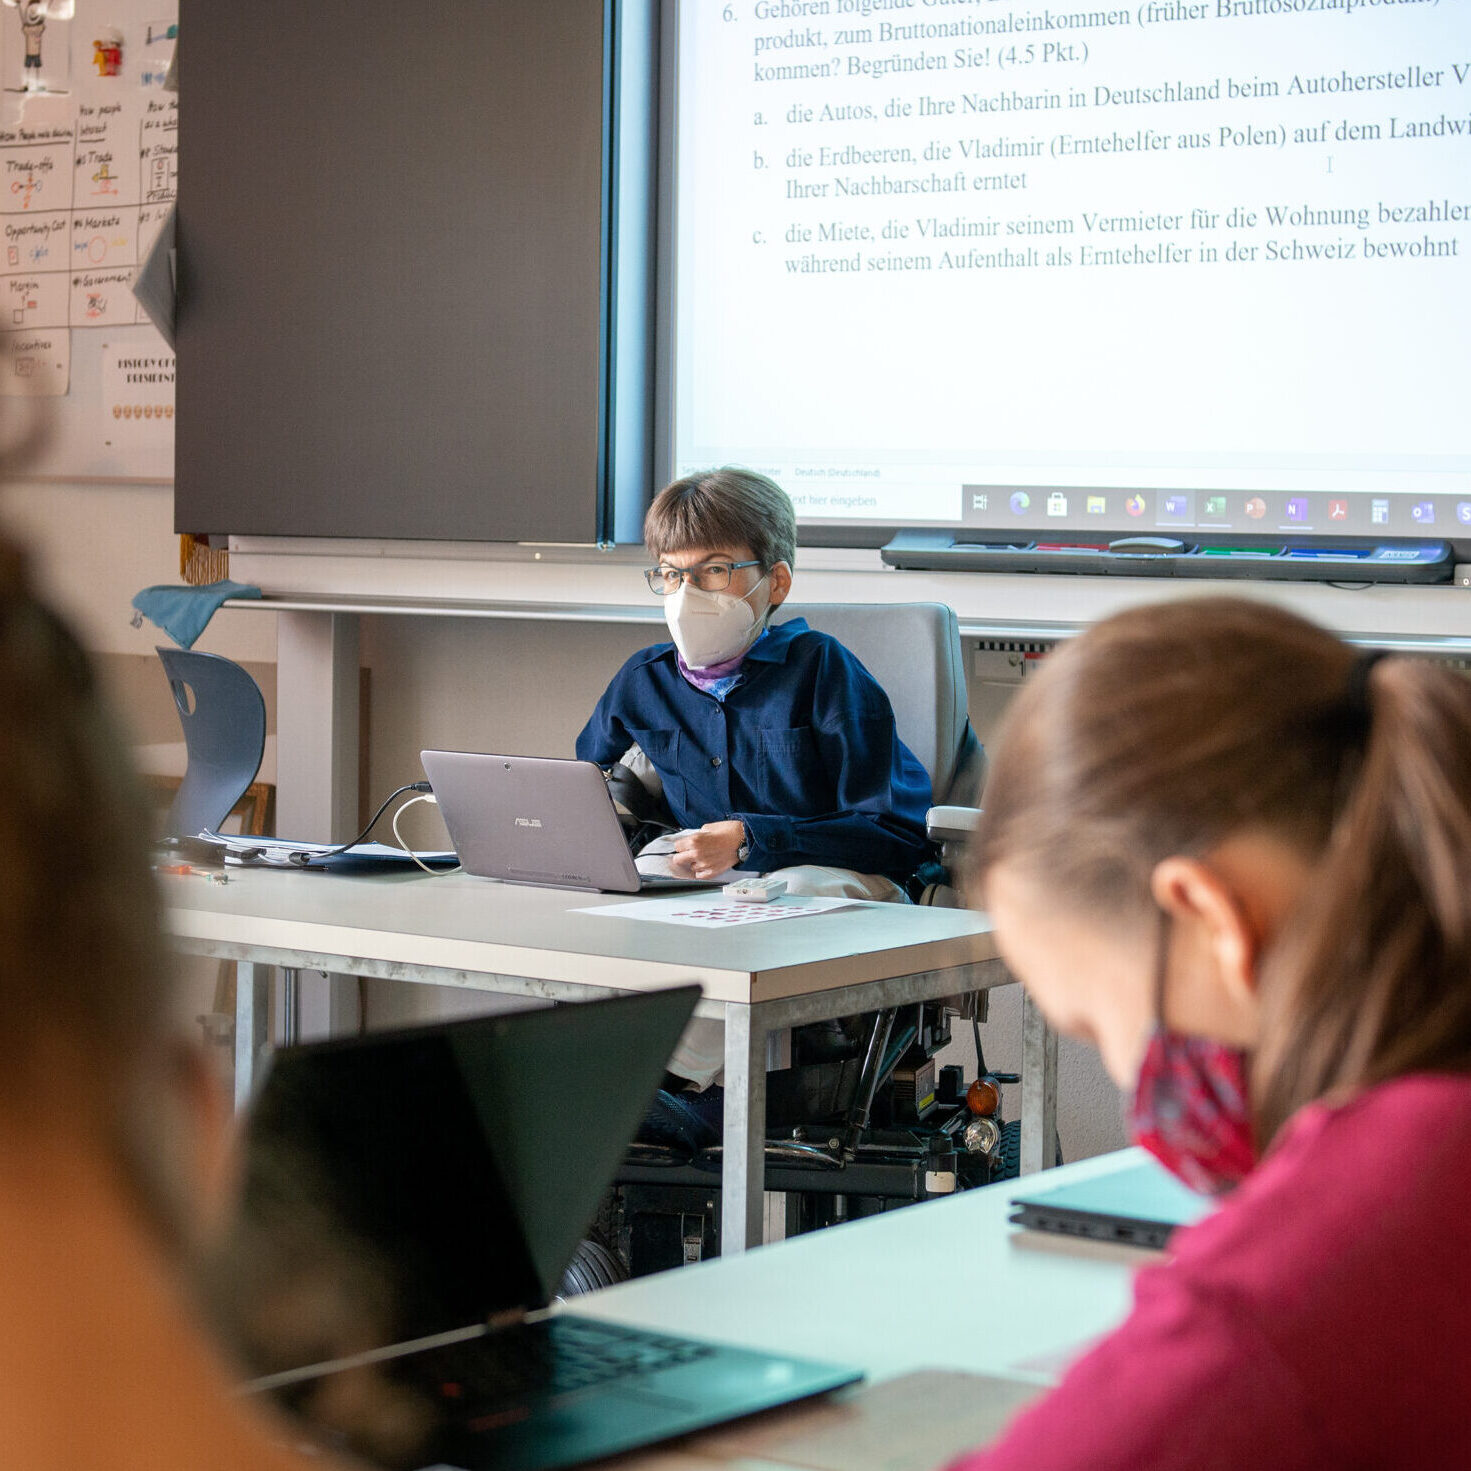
[(952, 824)]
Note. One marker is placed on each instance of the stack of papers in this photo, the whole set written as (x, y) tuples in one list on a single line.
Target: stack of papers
[(289, 853)]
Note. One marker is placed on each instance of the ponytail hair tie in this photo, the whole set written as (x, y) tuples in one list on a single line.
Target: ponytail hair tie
[(1345, 724), (1356, 695)]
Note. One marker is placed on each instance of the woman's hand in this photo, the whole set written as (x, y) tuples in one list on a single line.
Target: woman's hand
[(709, 851)]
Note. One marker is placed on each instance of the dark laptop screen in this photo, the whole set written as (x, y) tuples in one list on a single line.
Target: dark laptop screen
[(387, 1145), (402, 1184)]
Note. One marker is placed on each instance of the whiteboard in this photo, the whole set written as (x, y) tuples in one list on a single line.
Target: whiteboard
[(113, 421)]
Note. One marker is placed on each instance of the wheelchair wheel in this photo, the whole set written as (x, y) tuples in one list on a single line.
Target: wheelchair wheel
[(1009, 1156), (592, 1266)]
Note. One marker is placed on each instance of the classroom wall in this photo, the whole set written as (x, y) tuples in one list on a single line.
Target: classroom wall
[(469, 683)]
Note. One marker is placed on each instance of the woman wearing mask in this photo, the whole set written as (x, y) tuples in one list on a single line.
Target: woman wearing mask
[(774, 748), (1236, 855)]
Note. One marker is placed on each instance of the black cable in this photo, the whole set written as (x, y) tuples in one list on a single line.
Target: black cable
[(302, 859), (981, 1068)]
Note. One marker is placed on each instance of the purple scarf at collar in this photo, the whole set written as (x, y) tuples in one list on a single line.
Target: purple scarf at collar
[(706, 679)]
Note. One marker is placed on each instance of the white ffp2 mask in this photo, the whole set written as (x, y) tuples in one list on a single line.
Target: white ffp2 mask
[(711, 627)]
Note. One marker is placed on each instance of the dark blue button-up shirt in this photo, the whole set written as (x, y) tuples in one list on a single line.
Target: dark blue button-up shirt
[(802, 749)]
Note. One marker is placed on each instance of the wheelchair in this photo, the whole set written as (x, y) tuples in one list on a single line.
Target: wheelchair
[(864, 1119)]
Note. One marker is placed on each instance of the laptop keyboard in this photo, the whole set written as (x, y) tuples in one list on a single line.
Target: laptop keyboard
[(539, 1361)]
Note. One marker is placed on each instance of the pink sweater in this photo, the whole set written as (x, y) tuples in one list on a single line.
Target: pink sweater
[(1320, 1321)]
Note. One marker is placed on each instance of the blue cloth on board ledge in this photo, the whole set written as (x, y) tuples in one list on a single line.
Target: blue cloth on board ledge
[(182, 612)]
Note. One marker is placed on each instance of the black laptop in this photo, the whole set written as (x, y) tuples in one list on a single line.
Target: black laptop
[(412, 1201), (1138, 1205)]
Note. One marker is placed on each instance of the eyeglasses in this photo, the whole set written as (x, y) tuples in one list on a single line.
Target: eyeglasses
[(707, 577)]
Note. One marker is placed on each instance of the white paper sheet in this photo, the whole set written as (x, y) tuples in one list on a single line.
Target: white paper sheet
[(137, 386), (719, 913)]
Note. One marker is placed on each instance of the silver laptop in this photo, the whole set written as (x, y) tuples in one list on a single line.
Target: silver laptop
[(539, 820)]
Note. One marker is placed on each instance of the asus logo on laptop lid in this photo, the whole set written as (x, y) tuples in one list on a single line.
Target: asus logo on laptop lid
[(528, 822)]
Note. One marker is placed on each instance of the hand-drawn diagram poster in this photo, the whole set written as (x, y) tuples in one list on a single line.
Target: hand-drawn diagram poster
[(88, 171)]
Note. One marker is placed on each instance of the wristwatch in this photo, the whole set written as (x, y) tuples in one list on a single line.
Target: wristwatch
[(744, 851)]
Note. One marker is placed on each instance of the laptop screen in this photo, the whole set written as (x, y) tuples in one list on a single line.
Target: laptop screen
[(385, 1141), (403, 1184)]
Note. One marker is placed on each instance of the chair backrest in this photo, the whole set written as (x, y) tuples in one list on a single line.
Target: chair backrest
[(224, 719), (913, 650)]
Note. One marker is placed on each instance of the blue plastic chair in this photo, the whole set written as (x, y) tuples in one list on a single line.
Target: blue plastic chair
[(224, 718)]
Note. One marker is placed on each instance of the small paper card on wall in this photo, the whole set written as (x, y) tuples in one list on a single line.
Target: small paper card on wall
[(137, 396), (36, 300), (104, 239), (105, 299), (35, 364), (107, 167)]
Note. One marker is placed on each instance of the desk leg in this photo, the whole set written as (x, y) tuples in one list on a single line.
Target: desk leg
[(290, 1006), (252, 1013), (778, 1055), (317, 737), (318, 745), (743, 1164), (1039, 1090)]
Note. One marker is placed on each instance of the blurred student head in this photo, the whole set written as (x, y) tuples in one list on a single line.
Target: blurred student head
[(87, 1062), (1214, 818), (114, 1134)]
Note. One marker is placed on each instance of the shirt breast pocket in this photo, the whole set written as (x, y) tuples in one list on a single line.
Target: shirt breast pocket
[(792, 770)]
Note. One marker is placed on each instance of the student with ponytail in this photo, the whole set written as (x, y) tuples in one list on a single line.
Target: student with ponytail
[(1235, 854)]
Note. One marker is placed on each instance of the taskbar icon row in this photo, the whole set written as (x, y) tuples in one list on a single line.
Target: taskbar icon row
[(1359, 513)]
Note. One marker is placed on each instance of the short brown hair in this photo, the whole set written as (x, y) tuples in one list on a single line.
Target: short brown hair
[(80, 956), (727, 507), (1166, 729)]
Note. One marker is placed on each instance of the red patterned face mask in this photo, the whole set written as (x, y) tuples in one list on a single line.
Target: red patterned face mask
[(1190, 1108), (1190, 1111)]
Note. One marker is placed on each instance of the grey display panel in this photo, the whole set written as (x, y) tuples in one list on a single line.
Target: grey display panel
[(395, 304)]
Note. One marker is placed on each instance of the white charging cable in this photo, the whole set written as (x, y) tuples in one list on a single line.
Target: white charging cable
[(399, 838)]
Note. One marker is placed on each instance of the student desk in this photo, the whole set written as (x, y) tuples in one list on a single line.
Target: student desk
[(462, 931), (946, 1285), (943, 1284)]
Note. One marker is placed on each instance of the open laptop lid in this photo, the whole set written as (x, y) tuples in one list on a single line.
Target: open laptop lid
[(441, 1176), (532, 820)]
